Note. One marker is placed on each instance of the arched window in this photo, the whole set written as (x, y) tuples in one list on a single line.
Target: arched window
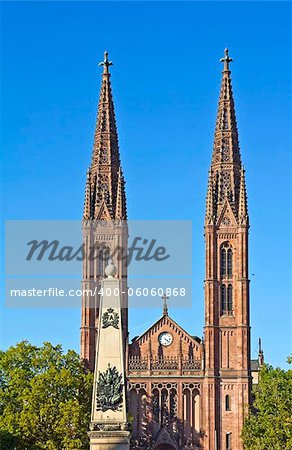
[(226, 260), (229, 299), (227, 403), (229, 262), (223, 262), (223, 299)]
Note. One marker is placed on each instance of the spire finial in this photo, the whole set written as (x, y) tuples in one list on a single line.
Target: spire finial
[(226, 60), (165, 308), (105, 63)]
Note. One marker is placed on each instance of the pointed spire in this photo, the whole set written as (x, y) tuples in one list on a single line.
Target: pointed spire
[(226, 160), (242, 207), (226, 145), (105, 164)]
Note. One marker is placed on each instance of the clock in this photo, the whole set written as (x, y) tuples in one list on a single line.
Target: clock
[(165, 339)]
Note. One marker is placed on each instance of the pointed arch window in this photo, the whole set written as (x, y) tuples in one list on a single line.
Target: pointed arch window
[(223, 262), (229, 262), (226, 260)]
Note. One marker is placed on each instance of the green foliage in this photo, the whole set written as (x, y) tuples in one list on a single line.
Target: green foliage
[(269, 424), (44, 398)]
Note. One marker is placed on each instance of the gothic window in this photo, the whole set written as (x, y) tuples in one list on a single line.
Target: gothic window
[(227, 403), (229, 299), (228, 441), (223, 299), (223, 262), (226, 260), (229, 262)]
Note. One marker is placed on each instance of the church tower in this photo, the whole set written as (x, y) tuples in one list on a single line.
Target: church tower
[(104, 226), (227, 324)]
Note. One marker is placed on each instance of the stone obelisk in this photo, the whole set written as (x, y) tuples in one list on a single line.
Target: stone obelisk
[(109, 426)]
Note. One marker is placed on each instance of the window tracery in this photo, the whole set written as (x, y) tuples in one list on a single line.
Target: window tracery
[(226, 260)]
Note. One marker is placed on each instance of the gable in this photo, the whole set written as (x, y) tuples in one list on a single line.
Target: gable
[(103, 213), (226, 217), (149, 342)]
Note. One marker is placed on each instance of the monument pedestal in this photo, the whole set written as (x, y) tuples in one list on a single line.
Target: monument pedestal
[(109, 440)]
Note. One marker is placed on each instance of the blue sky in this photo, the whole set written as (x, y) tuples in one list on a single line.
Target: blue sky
[(166, 79)]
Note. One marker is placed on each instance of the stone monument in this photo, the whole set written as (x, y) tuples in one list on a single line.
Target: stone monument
[(109, 427)]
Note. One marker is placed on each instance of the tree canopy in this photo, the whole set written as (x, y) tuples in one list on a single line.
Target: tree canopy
[(44, 398), (269, 423)]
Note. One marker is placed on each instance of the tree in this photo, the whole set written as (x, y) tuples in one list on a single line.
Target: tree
[(44, 398), (269, 423)]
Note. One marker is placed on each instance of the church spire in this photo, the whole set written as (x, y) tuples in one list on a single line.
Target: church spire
[(102, 185), (226, 160)]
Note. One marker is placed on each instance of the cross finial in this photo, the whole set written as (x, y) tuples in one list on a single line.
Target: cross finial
[(226, 60), (105, 63), (165, 308), (261, 353)]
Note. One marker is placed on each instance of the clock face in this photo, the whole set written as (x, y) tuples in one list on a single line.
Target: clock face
[(165, 338)]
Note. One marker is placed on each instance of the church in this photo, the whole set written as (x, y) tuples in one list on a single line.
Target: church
[(182, 392)]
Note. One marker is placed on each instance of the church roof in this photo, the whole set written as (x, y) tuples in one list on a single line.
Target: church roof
[(254, 365)]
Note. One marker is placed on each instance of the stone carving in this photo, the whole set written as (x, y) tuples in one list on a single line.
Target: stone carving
[(109, 390), (109, 427), (110, 319), (165, 363), (191, 364), (138, 363), (226, 221)]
